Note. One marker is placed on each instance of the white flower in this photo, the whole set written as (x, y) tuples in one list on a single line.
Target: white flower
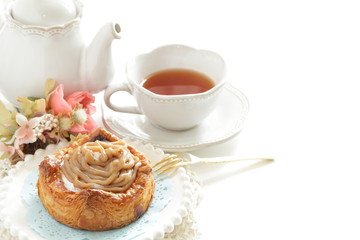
[(65, 123), (47, 123), (80, 116)]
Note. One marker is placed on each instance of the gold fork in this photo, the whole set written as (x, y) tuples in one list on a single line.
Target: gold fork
[(181, 159)]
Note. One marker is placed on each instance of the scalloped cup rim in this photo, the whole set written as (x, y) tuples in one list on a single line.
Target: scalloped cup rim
[(161, 50)]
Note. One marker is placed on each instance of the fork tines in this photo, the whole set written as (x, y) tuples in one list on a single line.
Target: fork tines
[(168, 163)]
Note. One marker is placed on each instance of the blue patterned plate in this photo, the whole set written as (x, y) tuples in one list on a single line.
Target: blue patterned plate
[(26, 218)]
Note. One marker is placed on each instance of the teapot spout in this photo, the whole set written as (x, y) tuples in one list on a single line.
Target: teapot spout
[(97, 70)]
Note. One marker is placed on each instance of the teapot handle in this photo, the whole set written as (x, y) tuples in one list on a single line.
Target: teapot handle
[(114, 87)]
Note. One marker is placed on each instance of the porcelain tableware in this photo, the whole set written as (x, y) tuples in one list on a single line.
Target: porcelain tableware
[(174, 112), (41, 39), (226, 121)]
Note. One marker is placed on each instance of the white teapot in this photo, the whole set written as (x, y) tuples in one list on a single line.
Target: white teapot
[(40, 39)]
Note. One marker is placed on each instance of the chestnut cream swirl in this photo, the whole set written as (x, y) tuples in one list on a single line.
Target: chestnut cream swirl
[(103, 165)]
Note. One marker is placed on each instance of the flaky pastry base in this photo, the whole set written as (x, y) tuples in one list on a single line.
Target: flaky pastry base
[(94, 209)]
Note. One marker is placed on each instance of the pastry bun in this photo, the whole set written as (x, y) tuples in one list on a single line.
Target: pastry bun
[(91, 207)]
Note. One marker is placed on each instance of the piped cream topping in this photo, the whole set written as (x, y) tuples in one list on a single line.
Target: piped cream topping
[(102, 165)]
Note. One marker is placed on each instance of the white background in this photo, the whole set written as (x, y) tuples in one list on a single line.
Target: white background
[(298, 64)]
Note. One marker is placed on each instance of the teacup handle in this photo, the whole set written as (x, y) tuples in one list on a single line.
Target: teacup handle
[(116, 86)]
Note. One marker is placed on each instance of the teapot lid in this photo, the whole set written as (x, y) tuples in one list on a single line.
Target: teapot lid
[(44, 12)]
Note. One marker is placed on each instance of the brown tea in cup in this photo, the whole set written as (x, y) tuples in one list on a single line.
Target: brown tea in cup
[(184, 108), (177, 82)]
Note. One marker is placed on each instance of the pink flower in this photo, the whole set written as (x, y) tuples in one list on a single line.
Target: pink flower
[(6, 151), (83, 98), (25, 133), (66, 106), (88, 127), (58, 103)]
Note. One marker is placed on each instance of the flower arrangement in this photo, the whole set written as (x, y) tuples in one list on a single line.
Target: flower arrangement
[(38, 122)]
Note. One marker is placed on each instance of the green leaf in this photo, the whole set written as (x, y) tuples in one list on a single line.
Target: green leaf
[(49, 87), (33, 98), (29, 108), (7, 119), (4, 155)]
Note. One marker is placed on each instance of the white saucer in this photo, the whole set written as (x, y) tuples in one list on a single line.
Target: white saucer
[(224, 122)]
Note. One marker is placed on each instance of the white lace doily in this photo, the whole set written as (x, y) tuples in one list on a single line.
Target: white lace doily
[(187, 230)]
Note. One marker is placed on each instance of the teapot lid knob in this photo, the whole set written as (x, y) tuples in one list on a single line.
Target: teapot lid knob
[(43, 12)]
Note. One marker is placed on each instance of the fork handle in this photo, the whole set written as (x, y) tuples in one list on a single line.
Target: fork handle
[(228, 159)]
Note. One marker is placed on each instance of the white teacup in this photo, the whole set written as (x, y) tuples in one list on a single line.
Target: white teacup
[(174, 112)]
